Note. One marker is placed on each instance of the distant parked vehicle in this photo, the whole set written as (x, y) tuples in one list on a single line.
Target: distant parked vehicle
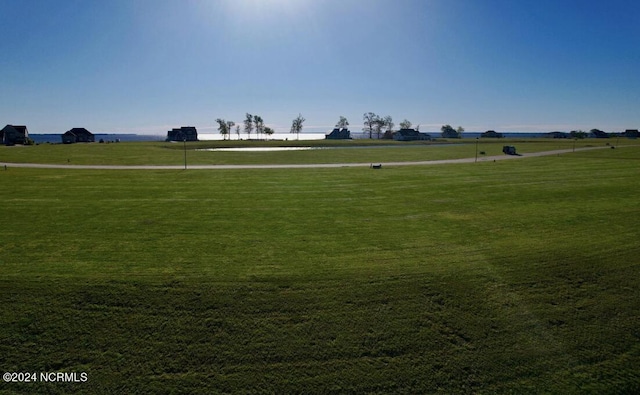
[(509, 150)]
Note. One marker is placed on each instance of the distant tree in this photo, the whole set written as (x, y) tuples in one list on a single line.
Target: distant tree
[(578, 134), (230, 125), (380, 124), (223, 127), (388, 123), (268, 131), (460, 130), (405, 124), (370, 120), (296, 125), (238, 131), (259, 123), (342, 123), (248, 125), (450, 133)]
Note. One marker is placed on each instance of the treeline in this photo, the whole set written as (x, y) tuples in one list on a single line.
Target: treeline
[(254, 123), (376, 125)]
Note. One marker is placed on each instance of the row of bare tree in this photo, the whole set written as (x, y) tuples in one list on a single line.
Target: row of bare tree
[(255, 122), (373, 123)]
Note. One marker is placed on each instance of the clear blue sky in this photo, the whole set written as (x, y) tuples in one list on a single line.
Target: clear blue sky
[(145, 66)]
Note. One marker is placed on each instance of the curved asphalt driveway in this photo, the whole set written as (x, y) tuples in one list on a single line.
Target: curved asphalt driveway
[(294, 166)]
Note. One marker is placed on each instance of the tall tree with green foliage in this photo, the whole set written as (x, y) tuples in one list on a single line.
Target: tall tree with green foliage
[(238, 131), (268, 131), (248, 125), (296, 125)]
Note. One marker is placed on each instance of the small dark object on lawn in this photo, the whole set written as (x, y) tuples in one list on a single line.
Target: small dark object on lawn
[(378, 166)]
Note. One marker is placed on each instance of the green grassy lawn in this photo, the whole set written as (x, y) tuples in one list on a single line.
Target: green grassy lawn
[(506, 277), (355, 151)]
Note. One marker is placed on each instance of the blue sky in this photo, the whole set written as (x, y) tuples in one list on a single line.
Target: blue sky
[(145, 66)]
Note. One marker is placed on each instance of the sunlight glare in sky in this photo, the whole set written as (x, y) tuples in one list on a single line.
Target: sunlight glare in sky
[(264, 9), (151, 65)]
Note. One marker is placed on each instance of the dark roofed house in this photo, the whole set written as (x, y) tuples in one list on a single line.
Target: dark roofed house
[(188, 133), (410, 135), (631, 133), (14, 134), (339, 134), (78, 135), (599, 134)]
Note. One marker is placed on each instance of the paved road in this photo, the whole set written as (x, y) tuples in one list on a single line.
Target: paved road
[(302, 166)]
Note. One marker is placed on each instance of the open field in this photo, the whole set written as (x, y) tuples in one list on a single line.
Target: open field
[(506, 277), (355, 151)]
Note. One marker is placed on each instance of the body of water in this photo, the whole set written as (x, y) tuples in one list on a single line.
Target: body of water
[(56, 138)]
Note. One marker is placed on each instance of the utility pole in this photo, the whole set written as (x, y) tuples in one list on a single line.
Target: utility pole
[(477, 140), (184, 142)]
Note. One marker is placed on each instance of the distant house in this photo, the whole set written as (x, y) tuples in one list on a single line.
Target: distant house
[(185, 133), (339, 134), (78, 135), (558, 135), (631, 133), (491, 134), (599, 134), (14, 134), (410, 135)]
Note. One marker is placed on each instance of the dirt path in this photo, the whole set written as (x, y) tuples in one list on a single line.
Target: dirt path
[(294, 166)]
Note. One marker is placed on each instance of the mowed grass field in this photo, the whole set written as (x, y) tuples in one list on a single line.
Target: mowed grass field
[(508, 277), (325, 151)]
